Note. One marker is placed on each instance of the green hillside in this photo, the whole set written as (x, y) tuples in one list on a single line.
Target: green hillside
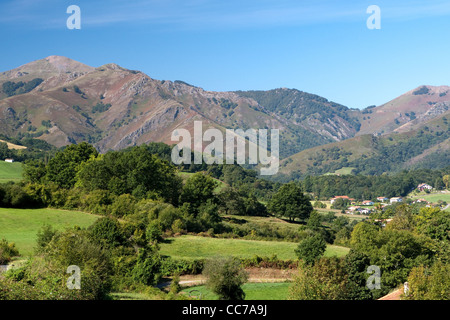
[(21, 225), (427, 146), (10, 171)]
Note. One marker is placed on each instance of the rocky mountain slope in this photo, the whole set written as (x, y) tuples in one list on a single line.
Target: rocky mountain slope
[(63, 101)]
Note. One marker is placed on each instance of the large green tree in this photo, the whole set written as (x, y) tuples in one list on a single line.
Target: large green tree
[(290, 202), (63, 167), (134, 171), (197, 190), (311, 249)]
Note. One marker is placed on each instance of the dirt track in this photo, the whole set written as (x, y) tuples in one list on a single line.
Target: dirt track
[(255, 275)]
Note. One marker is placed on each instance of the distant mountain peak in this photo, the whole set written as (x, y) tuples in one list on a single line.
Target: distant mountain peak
[(45, 68)]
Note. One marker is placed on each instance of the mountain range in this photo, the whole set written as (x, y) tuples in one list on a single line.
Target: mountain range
[(63, 101)]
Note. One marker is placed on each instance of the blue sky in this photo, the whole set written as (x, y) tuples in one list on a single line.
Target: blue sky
[(318, 46)]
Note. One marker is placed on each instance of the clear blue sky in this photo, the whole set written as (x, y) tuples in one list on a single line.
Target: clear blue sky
[(318, 46)]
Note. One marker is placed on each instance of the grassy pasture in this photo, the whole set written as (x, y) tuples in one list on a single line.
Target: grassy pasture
[(253, 291), (10, 171), (21, 225), (434, 197), (195, 247)]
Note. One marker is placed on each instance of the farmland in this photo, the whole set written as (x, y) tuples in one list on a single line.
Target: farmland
[(192, 247)]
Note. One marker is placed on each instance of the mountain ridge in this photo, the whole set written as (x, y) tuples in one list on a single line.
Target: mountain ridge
[(63, 101)]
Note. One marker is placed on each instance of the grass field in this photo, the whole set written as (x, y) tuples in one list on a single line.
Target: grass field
[(342, 171), (194, 247), (253, 291), (10, 171), (435, 197), (21, 225)]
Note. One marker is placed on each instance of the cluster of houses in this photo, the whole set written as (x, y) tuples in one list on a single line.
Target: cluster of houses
[(423, 187), (358, 207)]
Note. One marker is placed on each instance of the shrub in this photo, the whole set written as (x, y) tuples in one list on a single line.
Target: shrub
[(7, 251), (148, 266), (107, 230), (311, 249), (225, 278), (123, 205), (44, 236)]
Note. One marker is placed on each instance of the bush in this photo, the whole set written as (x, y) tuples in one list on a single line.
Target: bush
[(75, 247), (44, 236), (320, 205), (148, 266), (123, 205), (170, 266), (311, 249), (225, 278), (7, 251), (107, 231)]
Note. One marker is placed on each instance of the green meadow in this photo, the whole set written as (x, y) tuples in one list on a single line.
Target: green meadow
[(10, 171), (253, 291), (21, 225), (196, 247)]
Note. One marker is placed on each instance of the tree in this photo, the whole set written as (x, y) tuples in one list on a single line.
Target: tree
[(340, 204), (290, 202), (76, 247), (446, 180), (107, 231), (197, 191), (63, 167), (230, 202), (429, 283), (356, 264), (134, 171), (148, 266), (314, 221), (123, 205), (403, 218), (434, 223), (311, 249), (225, 276), (364, 236), (34, 171)]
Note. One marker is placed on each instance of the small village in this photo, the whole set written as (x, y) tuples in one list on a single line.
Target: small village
[(366, 207)]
